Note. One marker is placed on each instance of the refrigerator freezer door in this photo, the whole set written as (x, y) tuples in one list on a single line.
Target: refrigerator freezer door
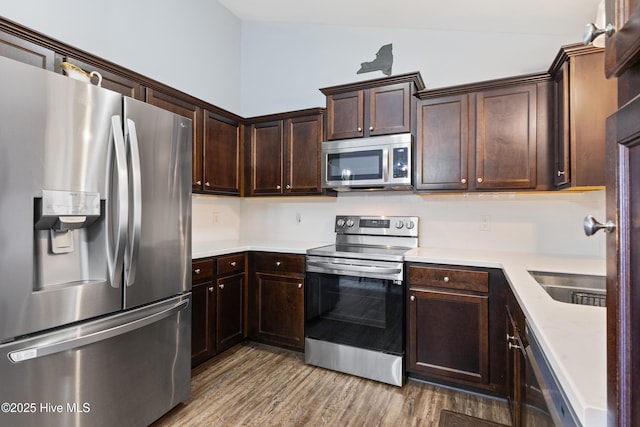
[(58, 168), (126, 369), (158, 256)]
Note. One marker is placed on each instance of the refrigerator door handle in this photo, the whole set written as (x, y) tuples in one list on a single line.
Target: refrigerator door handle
[(29, 353), (131, 252), (115, 254)]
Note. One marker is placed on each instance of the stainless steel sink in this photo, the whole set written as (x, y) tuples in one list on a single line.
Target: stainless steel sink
[(581, 289)]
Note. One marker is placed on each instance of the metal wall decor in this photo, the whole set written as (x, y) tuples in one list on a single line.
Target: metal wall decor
[(383, 61)]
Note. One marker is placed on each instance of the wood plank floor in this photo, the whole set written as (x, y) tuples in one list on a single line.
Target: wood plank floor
[(257, 385)]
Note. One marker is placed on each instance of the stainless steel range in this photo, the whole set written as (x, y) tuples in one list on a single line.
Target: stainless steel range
[(354, 297)]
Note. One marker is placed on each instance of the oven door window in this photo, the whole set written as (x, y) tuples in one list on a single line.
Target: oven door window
[(356, 165), (360, 312)]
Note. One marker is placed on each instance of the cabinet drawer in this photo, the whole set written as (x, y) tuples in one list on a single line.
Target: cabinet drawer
[(230, 264), (201, 269), (279, 263), (466, 280)]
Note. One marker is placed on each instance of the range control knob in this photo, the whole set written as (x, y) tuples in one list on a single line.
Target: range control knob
[(350, 223), (340, 223), (410, 225), (399, 224)]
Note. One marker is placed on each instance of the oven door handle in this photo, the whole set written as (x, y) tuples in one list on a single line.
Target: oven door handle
[(350, 268)]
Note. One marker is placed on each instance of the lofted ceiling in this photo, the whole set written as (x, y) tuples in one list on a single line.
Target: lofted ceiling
[(551, 17)]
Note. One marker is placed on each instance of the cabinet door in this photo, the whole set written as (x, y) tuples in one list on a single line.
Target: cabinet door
[(516, 365), (229, 313), (24, 51), (389, 109), (345, 115), (442, 143), (562, 171), (221, 155), (303, 148), (266, 158), (113, 81), (202, 322), (506, 140), (448, 335), (622, 47), (280, 310), (191, 111)]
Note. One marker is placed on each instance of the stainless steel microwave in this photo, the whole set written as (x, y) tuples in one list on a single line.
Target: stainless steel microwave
[(375, 163)]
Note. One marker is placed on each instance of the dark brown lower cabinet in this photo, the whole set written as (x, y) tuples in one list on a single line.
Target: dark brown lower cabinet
[(449, 335), (516, 360), (455, 326), (276, 307), (217, 316), (229, 311)]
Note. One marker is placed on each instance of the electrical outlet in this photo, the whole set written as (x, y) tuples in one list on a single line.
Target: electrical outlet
[(216, 216), (298, 217), (485, 223)]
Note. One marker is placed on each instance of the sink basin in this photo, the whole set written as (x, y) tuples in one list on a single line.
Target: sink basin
[(580, 289)]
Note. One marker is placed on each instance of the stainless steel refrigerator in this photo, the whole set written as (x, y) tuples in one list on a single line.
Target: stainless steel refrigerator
[(95, 254)]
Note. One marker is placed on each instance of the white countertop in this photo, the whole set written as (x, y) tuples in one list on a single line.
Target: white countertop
[(573, 337)]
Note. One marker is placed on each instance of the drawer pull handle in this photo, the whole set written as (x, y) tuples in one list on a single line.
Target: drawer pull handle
[(413, 298), (278, 263), (446, 279), (299, 285), (221, 285), (211, 289), (233, 263), (197, 271)]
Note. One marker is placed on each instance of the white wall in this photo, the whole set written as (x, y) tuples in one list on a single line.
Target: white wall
[(544, 222), (284, 65), (192, 45)]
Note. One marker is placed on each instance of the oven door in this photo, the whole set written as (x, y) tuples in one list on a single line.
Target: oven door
[(358, 303)]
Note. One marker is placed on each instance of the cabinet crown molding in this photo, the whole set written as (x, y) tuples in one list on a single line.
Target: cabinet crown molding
[(484, 85), (413, 77)]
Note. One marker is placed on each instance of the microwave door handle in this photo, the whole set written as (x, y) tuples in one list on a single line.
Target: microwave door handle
[(386, 160), (115, 250), (131, 252)]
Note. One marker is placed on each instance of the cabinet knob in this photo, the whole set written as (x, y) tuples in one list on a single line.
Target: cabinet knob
[(370, 128), (560, 173), (198, 182), (510, 337), (233, 263), (197, 271), (591, 32), (278, 263), (592, 226), (480, 179), (206, 184), (278, 187), (463, 180), (512, 346), (359, 129), (412, 298), (446, 279), (288, 187), (211, 289), (221, 285), (299, 285)]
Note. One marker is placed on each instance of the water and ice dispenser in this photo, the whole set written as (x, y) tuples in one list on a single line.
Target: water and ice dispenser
[(68, 230)]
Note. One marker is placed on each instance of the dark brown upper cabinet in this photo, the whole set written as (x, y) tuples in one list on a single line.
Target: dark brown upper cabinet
[(110, 79), (176, 104), (283, 153), (442, 147), (490, 135), (373, 107), (222, 153), (506, 138), (19, 49), (584, 98)]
